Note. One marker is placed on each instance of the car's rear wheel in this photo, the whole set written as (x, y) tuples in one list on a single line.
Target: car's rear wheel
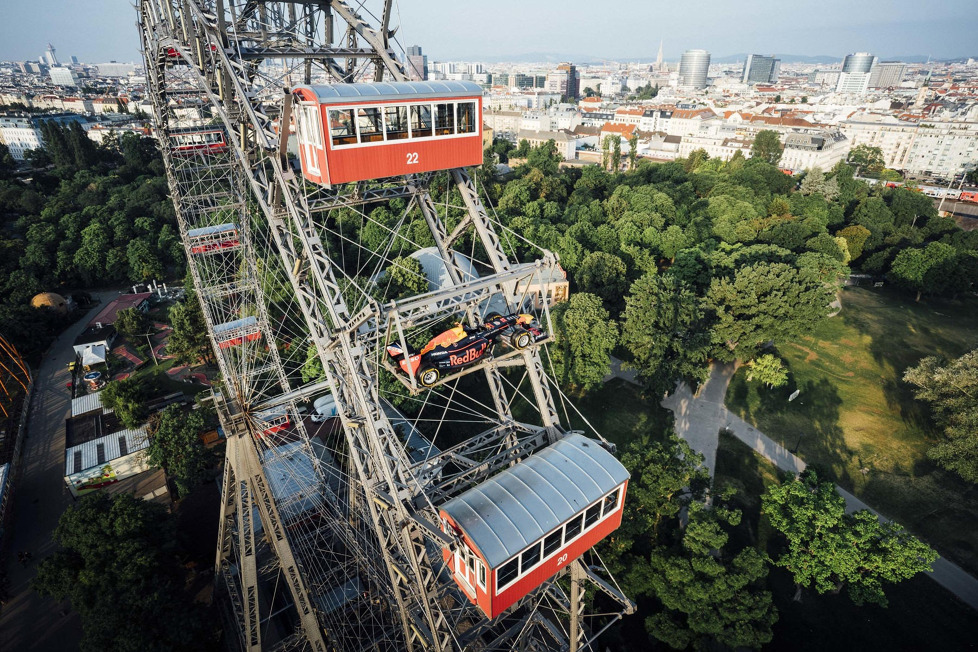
[(521, 339), (428, 376)]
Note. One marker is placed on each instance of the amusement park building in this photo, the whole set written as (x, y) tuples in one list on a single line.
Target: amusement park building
[(100, 452)]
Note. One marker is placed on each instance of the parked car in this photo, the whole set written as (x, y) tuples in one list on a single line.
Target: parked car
[(462, 346)]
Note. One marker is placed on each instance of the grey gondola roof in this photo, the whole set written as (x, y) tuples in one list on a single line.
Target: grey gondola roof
[(392, 91), (522, 504), (211, 230)]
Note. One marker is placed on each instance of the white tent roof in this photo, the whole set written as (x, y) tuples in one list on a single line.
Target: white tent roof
[(94, 355)]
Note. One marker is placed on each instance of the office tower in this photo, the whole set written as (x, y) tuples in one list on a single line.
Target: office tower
[(759, 69), (858, 62), (417, 64), (564, 80), (693, 68), (63, 77), (887, 74)]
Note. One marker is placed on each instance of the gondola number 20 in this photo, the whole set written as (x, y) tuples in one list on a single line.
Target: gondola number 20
[(412, 158), (562, 559)]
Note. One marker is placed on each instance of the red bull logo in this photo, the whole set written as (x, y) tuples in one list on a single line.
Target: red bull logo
[(471, 355)]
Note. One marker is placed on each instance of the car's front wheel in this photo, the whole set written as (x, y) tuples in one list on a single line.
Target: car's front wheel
[(521, 339), (428, 376)]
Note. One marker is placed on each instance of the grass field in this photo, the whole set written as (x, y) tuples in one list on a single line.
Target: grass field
[(856, 418), (921, 614)]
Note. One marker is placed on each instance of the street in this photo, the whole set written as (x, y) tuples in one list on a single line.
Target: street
[(27, 621)]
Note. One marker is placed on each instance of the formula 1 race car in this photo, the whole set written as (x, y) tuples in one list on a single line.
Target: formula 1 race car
[(462, 346)]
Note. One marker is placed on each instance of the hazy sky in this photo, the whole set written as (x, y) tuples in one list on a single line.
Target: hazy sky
[(102, 30)]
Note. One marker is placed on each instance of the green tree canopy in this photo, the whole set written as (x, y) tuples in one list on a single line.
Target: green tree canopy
[(116, 564), (7, 163), (767, 146), (767, 369), (132, 322), (175, 446), (522, 149), (866, 158), (127, 399), (814, 182), (312, 369), (828, 549), (605, 275), (856, 237), (585, 335), (924, 269), (711, 596), (188, 341), (405, 278), (666, 332), (544, 157), (949, 387), (765, 302)]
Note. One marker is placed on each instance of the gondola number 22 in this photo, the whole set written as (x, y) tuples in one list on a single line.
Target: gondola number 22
[(412, 158)]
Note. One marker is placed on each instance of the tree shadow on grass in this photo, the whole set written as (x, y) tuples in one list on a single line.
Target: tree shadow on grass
[(900, 399), (737, 467), (809, 425)]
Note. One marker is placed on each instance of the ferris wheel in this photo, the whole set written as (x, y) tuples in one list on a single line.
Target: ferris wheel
[(398, 475)]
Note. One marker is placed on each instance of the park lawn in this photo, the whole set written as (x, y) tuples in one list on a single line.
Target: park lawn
[(855, 418), (921, 614)]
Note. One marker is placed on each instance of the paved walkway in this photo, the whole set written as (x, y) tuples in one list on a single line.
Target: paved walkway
[(699, 419), (27, 621)]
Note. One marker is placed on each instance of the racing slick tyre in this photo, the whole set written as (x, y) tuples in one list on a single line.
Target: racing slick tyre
[(521, 339), (428, 376)]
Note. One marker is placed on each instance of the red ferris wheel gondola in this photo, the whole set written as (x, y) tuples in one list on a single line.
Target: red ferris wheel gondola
[(355, 132)]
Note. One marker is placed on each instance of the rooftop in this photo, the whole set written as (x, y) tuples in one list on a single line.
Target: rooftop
[(109, 313), (104, 449), (94, 334), (88, 427), (345, 93), (87, 403)]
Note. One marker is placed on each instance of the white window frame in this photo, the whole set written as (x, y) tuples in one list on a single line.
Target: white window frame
[(307, 144), (565, 542), (411, 138)]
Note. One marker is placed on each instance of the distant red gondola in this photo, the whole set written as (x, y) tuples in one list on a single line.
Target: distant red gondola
[(355, 132), (197, 140), (210, 239), (237, 332), (273, 420)]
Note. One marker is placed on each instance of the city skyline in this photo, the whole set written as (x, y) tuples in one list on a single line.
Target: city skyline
[(104, 30)]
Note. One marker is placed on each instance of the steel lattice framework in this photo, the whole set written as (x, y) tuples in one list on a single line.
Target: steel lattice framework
[(14, 377), (328, 536)]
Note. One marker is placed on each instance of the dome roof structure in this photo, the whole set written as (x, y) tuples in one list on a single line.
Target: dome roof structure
[(50, 300)]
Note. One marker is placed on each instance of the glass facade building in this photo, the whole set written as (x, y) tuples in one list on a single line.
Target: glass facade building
[(693, 68)]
